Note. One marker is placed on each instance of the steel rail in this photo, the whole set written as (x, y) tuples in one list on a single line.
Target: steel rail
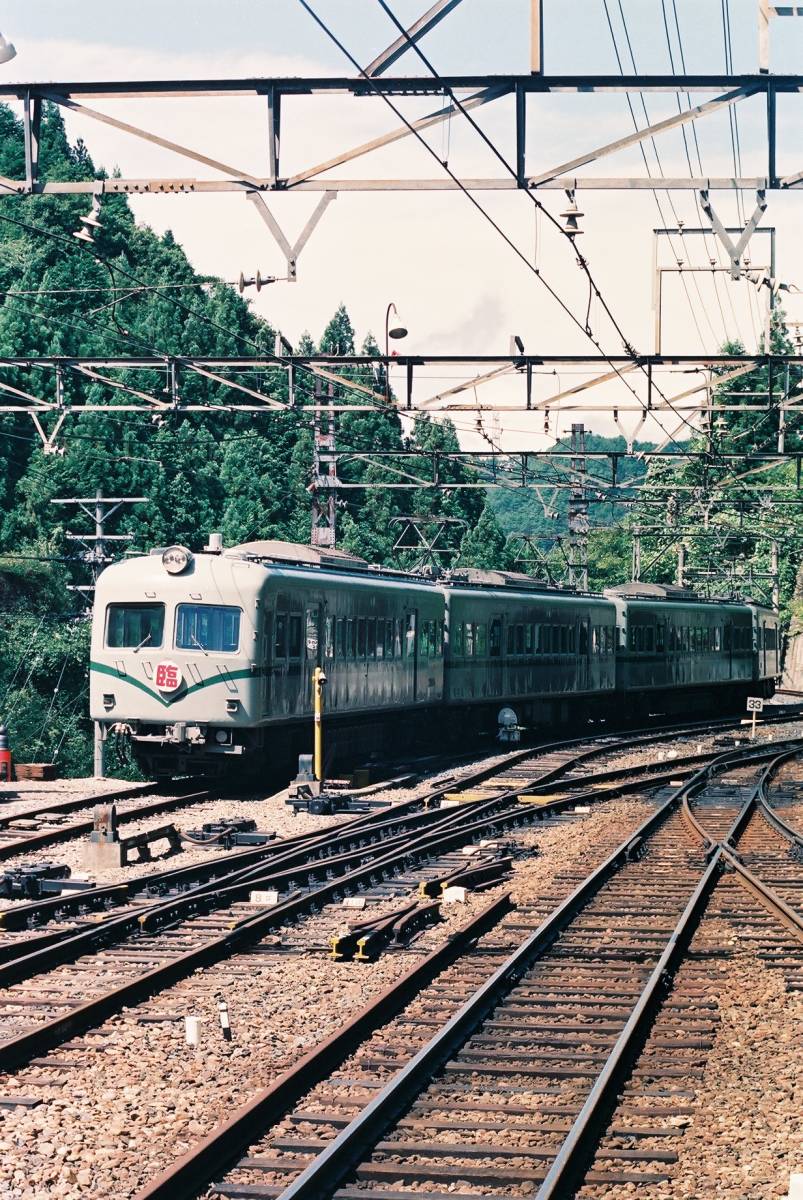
[(774, 819), (580, 1144), (227, 1141), (22, 914), (17, 1050), (325, 1173), (570, 1163), (75, 803), (64, 833), (358, 865), (765, 895)]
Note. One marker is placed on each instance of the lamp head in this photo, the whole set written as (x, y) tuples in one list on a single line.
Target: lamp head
[(396, 326)]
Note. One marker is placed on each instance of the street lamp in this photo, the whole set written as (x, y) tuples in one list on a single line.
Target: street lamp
[(7, 50), (395, 329)]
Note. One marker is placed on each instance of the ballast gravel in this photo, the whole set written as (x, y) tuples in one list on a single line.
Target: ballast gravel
[(122, 1102)]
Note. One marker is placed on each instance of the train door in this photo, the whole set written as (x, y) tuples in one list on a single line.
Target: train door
[(583, 655), (727, 636), (411, 650), (495, 656), (311, 653), (267, 664)]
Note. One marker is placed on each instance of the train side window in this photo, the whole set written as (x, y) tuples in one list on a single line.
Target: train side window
[(583, 639), (495, 637), (370, 636), (660, 639), (564, 639), (422, 639), (717, 632), (469, 629), (519, 639), (361, 637), (397, 637), (611, 647), (280, 642), (329, 638), (649, 640), (481, 640), (439, 638), (572, 639), (340, 638), (456, 640), (529, 631), (294, 643), (511, 640), (389, 637)]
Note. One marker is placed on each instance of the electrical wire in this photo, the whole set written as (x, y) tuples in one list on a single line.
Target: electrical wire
[(492, 146), (669, 198)]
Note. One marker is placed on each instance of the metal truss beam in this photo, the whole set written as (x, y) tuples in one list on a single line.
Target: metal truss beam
[(420, 28), (475, 90), (650, 393), (407, 85)]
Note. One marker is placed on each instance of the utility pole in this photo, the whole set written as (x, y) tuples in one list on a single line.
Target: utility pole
[(636, 555), (323, 488), (96, 555), (680, 578), (578, 512), (775, 576)]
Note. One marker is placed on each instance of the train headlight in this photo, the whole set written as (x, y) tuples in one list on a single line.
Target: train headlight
[(221, 736), (176, 559)]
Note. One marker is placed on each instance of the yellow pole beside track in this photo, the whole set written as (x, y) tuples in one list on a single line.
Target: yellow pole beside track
[(318, 683)]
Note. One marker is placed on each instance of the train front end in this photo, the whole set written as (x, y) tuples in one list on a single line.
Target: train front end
[(173, 663)]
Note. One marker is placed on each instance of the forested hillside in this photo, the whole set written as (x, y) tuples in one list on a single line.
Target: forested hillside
[(247, 474)]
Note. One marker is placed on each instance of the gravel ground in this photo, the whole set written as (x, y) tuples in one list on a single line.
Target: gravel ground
[(119, 1104), (133, 1096), (743, 1136), (747, 1138)]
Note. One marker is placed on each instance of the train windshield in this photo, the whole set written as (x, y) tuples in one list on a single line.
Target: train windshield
[(135, 625), (214, 627)]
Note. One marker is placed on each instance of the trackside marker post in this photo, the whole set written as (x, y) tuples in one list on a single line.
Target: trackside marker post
[(755, 705)]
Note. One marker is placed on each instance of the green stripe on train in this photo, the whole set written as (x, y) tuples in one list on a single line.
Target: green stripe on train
[(102, 669)]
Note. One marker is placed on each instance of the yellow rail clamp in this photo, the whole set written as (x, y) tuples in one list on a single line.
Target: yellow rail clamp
[(429, 889), (471, 794)]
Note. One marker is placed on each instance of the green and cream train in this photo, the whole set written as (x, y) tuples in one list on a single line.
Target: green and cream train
[(205, 661)]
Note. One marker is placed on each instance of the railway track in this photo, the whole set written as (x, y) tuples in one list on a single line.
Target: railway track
[(152, 943), (505, 1073), (16, 843), (519, 772), (52, 1004)]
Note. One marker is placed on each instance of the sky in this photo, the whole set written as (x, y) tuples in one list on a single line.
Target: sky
[(459, 286)]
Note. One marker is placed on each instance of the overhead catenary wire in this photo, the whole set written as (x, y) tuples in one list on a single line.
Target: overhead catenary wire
[(416, 48), (717, 250), (509, 168), (643, 152)]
